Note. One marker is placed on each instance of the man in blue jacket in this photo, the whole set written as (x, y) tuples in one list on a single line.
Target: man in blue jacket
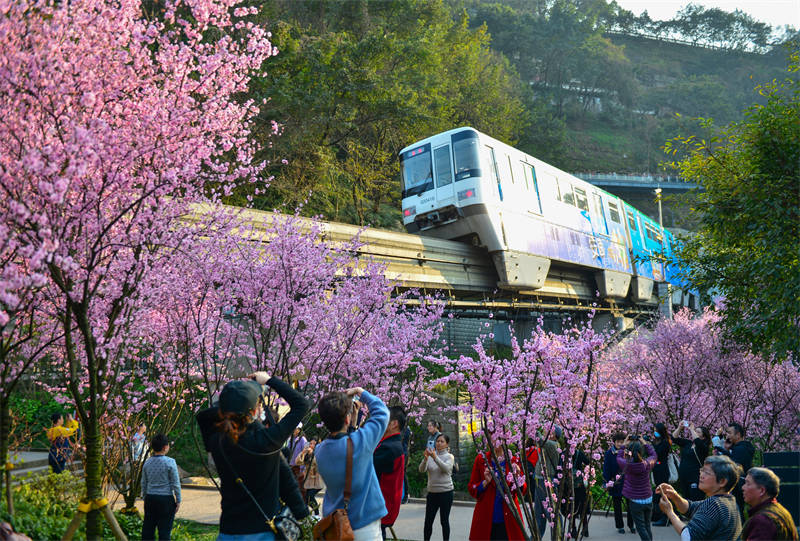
[(611, 475), (367, 506)]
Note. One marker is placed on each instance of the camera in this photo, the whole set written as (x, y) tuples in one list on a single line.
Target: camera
[(634, 437)]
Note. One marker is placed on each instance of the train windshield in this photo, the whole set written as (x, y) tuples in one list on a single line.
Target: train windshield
[(417, 171), (466, 151)]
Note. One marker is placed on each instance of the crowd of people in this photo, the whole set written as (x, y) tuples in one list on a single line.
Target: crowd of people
[(360, 465), (716, 484), (269, 471)]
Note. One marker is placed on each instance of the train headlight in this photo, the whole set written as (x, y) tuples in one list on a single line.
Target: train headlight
[(410, 211), (466, 194)]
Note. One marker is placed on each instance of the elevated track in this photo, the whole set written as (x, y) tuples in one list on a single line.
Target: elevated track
[(465, 275)]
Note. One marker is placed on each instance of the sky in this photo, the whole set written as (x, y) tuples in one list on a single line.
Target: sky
[(775, 13)]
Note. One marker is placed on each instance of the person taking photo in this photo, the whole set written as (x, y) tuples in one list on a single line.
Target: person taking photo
[(366, 505), (636, 460), (438, 465), (247, 454), (716, 517)]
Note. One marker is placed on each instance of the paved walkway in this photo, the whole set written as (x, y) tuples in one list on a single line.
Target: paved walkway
[(203, 506)]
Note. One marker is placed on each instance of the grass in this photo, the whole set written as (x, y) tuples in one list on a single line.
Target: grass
[(188, 529)]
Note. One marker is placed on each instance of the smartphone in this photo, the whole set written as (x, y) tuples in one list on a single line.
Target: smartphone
[(686, 424)]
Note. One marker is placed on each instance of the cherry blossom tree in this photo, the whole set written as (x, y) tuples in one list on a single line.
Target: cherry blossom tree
[(153, 392), (25, 330), (277, 296), (114, 122), (548, 380), (317, 313), (685, 369)]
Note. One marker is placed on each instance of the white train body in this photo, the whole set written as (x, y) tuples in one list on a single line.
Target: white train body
[(463, 184)]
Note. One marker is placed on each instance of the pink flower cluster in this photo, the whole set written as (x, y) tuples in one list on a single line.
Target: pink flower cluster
[(683, 369)]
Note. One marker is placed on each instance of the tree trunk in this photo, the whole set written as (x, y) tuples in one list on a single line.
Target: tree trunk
[(5, 429), (134, 488), (93, 468)]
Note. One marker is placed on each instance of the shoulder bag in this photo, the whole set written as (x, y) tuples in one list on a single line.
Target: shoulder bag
[(672, 465), (283, 524), (336, 526)]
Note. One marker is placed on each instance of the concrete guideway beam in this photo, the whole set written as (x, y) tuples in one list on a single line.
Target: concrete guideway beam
[(467, 274)]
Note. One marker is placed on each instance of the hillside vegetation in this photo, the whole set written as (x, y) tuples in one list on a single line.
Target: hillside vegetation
[(581, 84)]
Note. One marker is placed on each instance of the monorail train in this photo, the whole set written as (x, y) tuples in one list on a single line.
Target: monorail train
[(464, 185)]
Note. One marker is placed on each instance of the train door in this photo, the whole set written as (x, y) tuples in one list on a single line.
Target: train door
[(654, 244), (532, 186), (639, 252), (600, 220), (494, 173), (637, 244), (443, 171)]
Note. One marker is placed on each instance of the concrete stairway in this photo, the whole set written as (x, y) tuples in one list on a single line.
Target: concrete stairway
[(28, 464)]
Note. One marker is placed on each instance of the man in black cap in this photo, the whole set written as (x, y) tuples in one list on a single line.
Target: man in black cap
[(247, 454)]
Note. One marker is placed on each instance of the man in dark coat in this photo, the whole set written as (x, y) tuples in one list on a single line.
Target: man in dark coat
[(741, 452), (768, 519)]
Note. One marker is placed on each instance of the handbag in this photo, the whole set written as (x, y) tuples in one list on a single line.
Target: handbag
[(283, 524), (673, 468), (336, 526)]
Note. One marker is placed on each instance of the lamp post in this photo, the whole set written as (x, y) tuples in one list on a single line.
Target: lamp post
[(660, 216), (668, 306)]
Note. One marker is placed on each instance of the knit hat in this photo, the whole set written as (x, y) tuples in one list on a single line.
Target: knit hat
[(239, 396)]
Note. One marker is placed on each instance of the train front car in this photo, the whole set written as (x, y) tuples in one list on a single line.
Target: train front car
[(441, 175), (451, 190)]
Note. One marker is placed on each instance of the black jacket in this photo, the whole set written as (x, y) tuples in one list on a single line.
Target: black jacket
[(610, 472), (386, 454), (290, 492), (661, 469), (256, 459), (742, 453), (693, 454)]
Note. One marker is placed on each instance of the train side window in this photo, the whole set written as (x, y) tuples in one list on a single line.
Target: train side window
[(444, 171), (526, 173), (613, 212), (652, 233), (558, 189), (510, 169), (580, 199), (632, 222), (569, 198)]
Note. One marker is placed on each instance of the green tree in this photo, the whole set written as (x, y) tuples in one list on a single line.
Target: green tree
[(357, 81), (748, 246), (558, 48)]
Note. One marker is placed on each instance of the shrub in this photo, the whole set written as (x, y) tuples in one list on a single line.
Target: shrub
[(45, 505)]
